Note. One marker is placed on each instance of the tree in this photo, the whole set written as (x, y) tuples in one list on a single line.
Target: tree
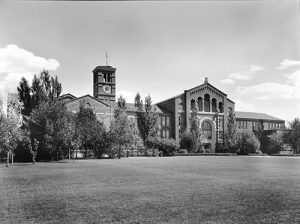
[(195, 132), (10, 126), (276, 143), (187, 141), (147, 118), (292, 137), (89, 131), (44, 88), (231, 134), (124, 135), (24, 93), (247, 143)]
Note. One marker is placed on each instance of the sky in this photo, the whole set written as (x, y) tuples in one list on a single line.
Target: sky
[(248, 49)]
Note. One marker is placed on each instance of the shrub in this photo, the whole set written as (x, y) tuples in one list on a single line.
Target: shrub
[(247, 143), (187, 141), (168, 147), (184, 151)]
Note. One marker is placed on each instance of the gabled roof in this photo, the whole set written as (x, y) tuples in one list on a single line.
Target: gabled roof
[(88, 95), (67, 95), (208, 84), (255, 116), (130, 107)]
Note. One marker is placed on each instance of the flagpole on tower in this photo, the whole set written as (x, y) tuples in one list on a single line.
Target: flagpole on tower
[(106, 58)]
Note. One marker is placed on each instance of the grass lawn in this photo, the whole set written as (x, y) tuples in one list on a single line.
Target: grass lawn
[(153, 190)]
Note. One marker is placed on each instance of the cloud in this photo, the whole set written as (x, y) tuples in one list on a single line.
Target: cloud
[(255, 68), (16, 62), (238, 76), (129, 96), (242, 106), (273, 90), (228, 81), (286, 63), (294, 78), (242, 76)]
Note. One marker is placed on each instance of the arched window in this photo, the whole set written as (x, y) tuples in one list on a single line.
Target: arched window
[(214, 105), (200, 104), (206, 103), (221, 107), (193, 105), (230, 110), (206, 130)]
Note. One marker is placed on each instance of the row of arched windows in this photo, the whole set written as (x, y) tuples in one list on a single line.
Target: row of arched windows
[(206, 105)]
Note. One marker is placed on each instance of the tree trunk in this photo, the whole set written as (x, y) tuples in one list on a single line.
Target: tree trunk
[(12, 158), (69, 153), (7, 159)]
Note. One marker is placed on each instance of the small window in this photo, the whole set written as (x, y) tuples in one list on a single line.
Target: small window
[(168, 121), (163, 121)]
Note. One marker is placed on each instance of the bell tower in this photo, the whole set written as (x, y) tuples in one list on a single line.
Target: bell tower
[(105, 83)]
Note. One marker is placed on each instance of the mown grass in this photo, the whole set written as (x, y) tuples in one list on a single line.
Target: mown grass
[(153, 190)]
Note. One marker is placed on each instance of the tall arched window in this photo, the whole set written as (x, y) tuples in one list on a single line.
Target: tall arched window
[(206, 103), (193, 105), (214, 105), (221, 107), (200, 104), (230, 110), (206, 130)]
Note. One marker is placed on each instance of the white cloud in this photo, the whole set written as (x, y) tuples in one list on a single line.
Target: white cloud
[(243, 76), (255, 68), (16, 62), (228, 81), (286, 63), (271, 90), (129, 96), (242, 106), (294, 78), (238, 76)]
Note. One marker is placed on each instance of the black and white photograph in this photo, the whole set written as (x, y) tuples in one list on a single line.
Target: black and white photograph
[(149, 111)]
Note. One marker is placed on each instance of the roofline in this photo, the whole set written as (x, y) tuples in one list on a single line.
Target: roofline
[(256, 119), (104, 67), (203, 84), (91, 97), (231, 101), (168, 99), (276, 118), (67, 94)]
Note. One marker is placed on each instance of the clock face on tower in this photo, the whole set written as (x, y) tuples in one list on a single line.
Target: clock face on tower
[(107, 89)]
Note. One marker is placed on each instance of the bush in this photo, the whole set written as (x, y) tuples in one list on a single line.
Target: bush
[(247, 143), (168, 147), (187, 142), (184, 151)]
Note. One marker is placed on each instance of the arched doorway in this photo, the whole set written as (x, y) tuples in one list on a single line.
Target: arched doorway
[(208, 136)]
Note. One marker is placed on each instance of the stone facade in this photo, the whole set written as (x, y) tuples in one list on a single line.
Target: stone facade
[(211, 105)]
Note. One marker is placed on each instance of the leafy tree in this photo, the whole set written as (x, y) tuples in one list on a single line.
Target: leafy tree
[(147, 118), (90, 131), (10, 126), (44, 88), (276, 143), (247, 143), (195, 132), (24, 93), (187, 141), (124, 135), (231, 135), (292, 137)]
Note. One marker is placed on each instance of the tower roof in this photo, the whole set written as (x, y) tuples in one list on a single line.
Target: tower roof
[(104, 68)]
